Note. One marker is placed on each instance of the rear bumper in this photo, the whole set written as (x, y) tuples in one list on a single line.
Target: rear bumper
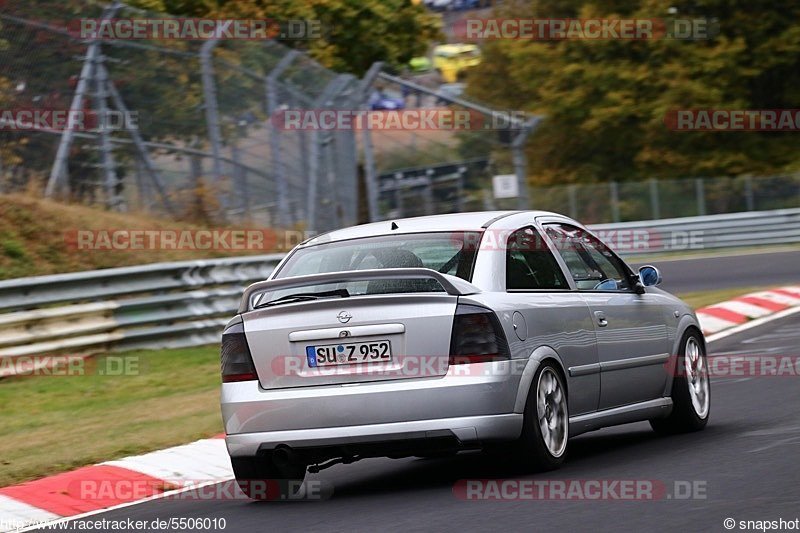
[(469, 431), (471, 404)]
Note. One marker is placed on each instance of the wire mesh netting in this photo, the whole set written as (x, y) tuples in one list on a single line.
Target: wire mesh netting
[(187, 128), (195, 137)]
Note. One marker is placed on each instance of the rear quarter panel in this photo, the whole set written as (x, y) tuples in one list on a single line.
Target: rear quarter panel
[(561, 324)]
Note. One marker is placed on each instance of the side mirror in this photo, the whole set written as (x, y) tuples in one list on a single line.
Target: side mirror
[(650, 276)]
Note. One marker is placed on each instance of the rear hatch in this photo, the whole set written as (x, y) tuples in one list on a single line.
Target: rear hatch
[(387, 337), (356, 339)]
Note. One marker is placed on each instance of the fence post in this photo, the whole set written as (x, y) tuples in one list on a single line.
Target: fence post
[(239, 173), (654, 201), (521, 161), (460, 190), (212, 111), (520, 170), (700, 193), (59, 169), (328, 146), (311, 192), (318, 144), (370, 173), (614, 190), (572, 191), (398, 195), (278, 169), (195, 177), (141, 186), (370, 176), (428, 201), (112, 181), (749, 197)]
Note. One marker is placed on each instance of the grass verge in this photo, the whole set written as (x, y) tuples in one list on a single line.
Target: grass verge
[(53, 424), (35, 238), (704, 298)]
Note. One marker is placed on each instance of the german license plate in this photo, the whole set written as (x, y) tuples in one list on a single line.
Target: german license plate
[(348, 353)]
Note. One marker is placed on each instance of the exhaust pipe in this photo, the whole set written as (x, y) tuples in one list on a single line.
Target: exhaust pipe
[(288, 462), (284, 456)]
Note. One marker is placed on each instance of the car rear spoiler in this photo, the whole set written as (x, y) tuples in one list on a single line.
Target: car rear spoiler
[(451, 284)]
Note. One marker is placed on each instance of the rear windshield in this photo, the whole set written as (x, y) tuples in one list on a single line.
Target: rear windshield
[(449, 253)]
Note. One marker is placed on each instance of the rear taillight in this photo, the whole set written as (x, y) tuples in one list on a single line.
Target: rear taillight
[(237, 363), (477, 336)]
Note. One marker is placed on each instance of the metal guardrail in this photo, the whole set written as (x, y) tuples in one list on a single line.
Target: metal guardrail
[(93, 285), (162, 305), (168, 305), (752, 228)]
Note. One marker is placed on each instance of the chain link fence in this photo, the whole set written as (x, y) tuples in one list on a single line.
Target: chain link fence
[(429, 171), (206, 146), (203, 145), (661, 199)]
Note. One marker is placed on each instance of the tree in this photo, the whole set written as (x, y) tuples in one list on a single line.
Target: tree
[(355, 33), (605, 101)]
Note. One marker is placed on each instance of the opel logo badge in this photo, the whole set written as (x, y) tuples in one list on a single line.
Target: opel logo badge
[(344, 317)]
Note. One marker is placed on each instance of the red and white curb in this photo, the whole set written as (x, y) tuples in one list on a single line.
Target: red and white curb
[(113, 483), (735, 312)]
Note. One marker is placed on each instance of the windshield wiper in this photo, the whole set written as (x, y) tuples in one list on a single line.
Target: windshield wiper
[(305, 296)]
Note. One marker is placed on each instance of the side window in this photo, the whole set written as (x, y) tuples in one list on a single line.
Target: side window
[(592, 265), (530, 264)]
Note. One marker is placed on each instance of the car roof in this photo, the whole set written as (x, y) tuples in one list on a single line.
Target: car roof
[(471, 221)]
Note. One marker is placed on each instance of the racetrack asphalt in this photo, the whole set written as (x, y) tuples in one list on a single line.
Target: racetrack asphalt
[(744, 464), (694, 274)]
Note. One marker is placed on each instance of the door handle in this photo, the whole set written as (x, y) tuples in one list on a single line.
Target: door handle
[(600, 316)]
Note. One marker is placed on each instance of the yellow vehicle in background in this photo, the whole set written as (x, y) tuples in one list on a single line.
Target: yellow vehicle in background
[(452, 61)]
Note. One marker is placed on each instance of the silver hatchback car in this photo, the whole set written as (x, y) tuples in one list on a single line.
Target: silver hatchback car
[(433, 335)]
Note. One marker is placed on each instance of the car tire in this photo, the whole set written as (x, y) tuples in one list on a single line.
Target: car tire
[(545, 430), (259, 478), (691, 389)]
